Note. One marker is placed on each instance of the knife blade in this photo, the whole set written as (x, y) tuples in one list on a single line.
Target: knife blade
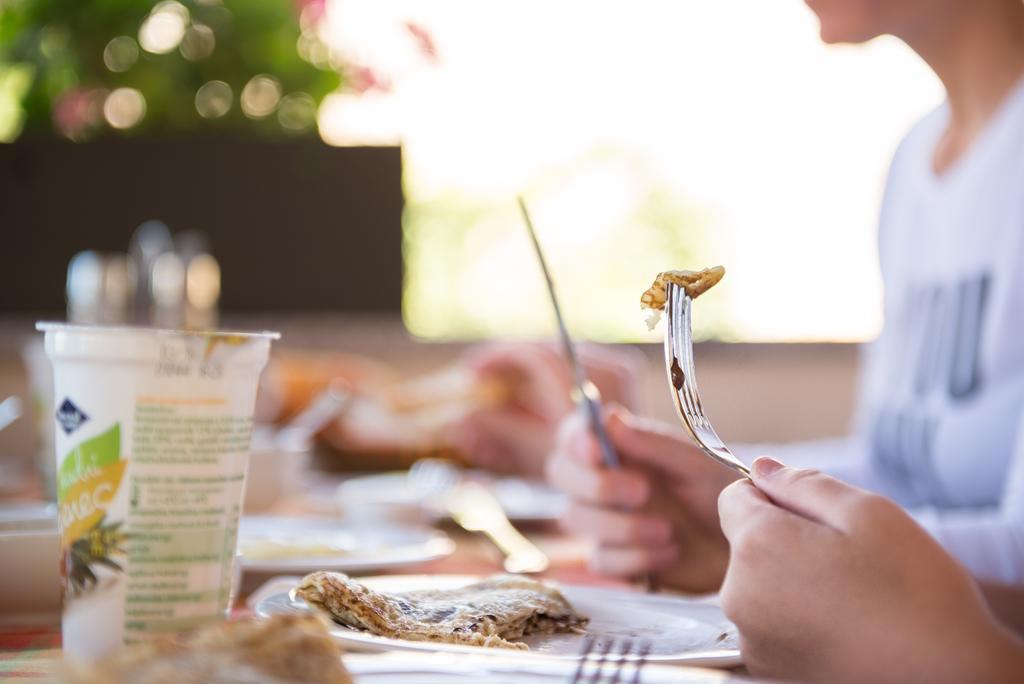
[(588, 397)]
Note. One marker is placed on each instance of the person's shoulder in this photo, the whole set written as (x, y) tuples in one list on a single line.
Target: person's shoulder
[(918, 144), (907, 172)]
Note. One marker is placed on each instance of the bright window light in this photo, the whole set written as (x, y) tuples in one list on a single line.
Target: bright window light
[(646, 136)]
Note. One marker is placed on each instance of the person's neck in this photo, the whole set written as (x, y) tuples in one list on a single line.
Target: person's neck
[(979, 57)]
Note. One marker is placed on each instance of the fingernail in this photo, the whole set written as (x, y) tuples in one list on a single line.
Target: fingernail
[(766, 466)]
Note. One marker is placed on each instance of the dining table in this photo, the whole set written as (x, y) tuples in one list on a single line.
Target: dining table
[(32, 650)]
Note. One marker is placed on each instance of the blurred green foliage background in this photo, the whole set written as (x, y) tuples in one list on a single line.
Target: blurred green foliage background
[(60, 63), (471, 273)]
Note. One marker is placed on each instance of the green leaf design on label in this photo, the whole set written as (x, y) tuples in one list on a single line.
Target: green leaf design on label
[(88, 458)]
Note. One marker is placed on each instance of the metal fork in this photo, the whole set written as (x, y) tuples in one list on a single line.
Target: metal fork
[(683, 380), (610, 660)]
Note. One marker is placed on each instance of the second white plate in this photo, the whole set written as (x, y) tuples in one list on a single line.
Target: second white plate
[(270, 544), (524, 501)]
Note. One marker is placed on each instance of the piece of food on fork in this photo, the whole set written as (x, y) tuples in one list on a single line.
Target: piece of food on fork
[(497, 611), (695, 283)]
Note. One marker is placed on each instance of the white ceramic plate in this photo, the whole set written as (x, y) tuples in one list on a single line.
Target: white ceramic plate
[(680, 631), (270, 544), (529, 500), (523, 500)]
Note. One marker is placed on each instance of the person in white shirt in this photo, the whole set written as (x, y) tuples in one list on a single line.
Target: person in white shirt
[(938, 424), (943, 387)]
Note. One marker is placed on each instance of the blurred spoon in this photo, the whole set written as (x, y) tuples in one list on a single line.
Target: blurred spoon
[(474, 508), (322, 410)]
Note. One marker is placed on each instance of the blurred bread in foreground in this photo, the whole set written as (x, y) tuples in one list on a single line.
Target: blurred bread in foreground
[(283, 648)]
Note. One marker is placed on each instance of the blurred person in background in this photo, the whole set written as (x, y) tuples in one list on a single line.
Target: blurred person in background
[(497, 408), (517, 435), (942, 389)]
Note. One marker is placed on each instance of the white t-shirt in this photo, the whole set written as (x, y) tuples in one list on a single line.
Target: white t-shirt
[(939, 425)]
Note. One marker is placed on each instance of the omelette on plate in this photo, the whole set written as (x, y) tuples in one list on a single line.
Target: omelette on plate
[(498, 611)]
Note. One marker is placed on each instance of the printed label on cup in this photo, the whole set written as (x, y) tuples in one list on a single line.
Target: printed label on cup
[(152, 438)]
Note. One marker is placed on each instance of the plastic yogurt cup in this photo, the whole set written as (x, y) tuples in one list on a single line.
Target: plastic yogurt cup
[(152, 435)]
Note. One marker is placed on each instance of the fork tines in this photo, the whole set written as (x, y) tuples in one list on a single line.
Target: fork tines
[(683, 381), (610, 660)]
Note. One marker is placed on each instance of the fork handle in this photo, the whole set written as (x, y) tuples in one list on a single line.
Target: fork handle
[(733, 464)]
